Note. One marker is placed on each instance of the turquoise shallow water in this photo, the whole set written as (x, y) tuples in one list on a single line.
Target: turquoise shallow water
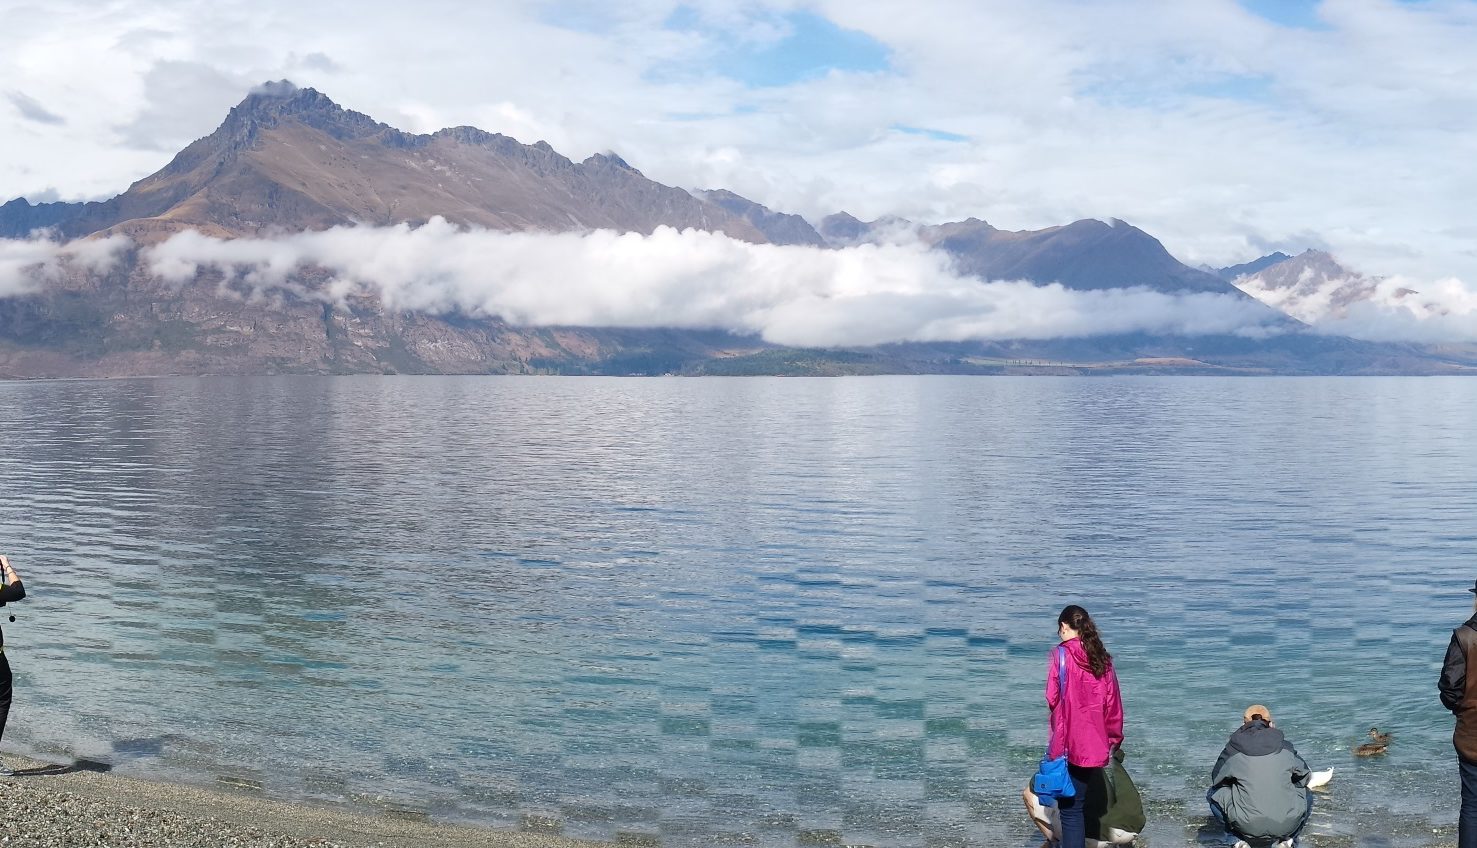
[(733, 611)]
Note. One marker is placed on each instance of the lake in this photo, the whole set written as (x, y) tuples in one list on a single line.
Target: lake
[(729, 611)]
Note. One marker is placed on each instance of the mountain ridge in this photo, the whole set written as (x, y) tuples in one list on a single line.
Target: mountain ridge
[(291, 158), (288, 159), (1086, 255), (1230, 273)]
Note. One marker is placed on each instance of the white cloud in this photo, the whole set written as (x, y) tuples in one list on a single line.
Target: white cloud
[(1388, 309), (26, 264), (1220, 132), (22, 263), (1404, 310), (800, 296)]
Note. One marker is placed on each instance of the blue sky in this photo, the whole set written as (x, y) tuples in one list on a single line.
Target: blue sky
[(1292, 13), (802, 45)]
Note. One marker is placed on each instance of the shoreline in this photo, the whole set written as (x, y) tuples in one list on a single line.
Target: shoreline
[(55, 805), (51, 804)]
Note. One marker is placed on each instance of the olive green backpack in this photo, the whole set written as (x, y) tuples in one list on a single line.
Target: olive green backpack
[(1125, 810)]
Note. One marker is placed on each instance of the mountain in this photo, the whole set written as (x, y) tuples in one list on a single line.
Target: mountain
[(1311, 286), (1247, 268), (291, 158), (1085, 255)]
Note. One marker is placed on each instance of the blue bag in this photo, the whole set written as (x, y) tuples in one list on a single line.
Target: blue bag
[(1052, 780)]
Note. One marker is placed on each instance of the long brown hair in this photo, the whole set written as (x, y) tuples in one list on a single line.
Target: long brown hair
[(1098, 657)]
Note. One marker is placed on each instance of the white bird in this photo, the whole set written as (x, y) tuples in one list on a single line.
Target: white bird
[(1320, 779)]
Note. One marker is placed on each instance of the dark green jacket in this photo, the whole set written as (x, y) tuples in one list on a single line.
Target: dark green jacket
[(1260, 785)]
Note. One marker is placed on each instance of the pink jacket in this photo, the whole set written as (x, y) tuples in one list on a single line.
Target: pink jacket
[(1092, 724)]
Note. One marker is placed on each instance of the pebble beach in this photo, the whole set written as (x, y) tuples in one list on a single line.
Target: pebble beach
[(52, 806)]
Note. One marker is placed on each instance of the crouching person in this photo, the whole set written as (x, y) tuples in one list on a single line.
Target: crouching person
[(1259, 787)]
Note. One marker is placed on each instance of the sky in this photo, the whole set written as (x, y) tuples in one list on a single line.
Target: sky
[(1227, 129)]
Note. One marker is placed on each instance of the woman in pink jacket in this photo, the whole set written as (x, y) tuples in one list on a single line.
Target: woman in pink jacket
[(1087, 719)]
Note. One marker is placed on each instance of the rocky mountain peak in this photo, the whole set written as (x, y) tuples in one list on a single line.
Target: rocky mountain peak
[(283, 98), (1311, 264), (609, 161), (1319, 259), (273, 93), (273, 102)]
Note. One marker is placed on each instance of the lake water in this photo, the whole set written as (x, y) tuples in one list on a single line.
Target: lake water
[(783, 611)]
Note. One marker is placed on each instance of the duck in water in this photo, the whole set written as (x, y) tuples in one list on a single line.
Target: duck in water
[(1379, 745)]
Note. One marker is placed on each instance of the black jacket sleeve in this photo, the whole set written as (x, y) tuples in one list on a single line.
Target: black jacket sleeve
[(1453, 683), (1300, 771), (13, 592)]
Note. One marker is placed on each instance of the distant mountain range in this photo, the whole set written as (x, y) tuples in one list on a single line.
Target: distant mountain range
[(289, 159)]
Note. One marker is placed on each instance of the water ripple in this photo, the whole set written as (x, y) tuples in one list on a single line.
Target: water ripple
[(728, 611)]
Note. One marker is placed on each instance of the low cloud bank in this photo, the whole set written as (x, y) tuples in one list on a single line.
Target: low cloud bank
[(1383, 309), (26, 264), (869, 294), (1403, 310), (798, 296)]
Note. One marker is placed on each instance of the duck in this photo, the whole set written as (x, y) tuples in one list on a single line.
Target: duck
[(1320, 779), (1375, 748)]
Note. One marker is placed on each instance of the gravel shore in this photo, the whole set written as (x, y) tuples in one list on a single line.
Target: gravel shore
[(55, 806), (63, 806)]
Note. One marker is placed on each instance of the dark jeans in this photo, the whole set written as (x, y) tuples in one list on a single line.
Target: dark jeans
[(5, 690), (1073, 812), (1467, 822)]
